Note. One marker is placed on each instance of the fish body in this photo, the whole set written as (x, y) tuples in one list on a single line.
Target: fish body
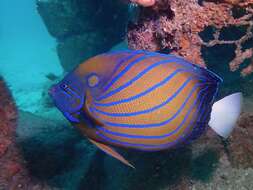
[(137, 99)]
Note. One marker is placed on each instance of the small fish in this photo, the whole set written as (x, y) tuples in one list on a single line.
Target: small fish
[(144, 100)]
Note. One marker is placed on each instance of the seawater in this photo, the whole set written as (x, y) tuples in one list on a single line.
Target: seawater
[(55, 153), (27, 52)]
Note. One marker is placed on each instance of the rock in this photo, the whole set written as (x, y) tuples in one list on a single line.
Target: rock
[(83, 28), (241, 143), (228, 178), (4, 144), (74, 50), (61, 17), (53, 150), (39, 153)]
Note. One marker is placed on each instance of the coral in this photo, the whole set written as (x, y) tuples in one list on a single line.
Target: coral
[(8, 115), (13, 174), (145, 3), (175, 26), (30, 155)]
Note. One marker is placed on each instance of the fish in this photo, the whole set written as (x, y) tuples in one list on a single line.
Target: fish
[(144, 100)]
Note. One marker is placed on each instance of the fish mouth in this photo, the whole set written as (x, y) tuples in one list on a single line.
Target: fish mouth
[(51, 91)]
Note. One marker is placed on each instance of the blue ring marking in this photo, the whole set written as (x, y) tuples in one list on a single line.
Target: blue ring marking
[(112, 52), (135, 78), (166, 145), (121, 61), (207, 113), (149, 125), (73, 92), (77, 96), (90, 75), (200, 118), (180, 59), (139, 76), (127, 68), (154, 137), (70, 117), (214, 75), (147, 110), (67, 94), (167, 79), (107, 86), (156, 64)]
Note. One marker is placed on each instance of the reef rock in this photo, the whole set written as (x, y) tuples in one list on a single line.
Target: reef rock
[(13, 173), (241, 143), (53, 150), (216, 34), (38, 153), (83, 28)]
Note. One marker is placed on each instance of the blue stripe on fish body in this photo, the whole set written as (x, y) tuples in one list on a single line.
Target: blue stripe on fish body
[(194, 67), (204, 117), (151, 147), (128, 83), (128, 67), (121, 62), (154, 137), (147, 110), (204, 98), (134, 79), (171, 58), (147, 125)]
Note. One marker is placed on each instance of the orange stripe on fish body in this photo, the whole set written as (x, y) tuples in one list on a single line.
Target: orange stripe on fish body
[(137, 99), (153, 102)]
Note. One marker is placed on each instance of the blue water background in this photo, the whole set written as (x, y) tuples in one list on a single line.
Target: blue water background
[(27, 52)]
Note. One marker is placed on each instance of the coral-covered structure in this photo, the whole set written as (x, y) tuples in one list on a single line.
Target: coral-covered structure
[(13, 173), (9, 159), (145, 3), (186, 28)]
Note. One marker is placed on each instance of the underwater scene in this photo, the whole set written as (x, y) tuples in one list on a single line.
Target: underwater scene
[(126, 95)]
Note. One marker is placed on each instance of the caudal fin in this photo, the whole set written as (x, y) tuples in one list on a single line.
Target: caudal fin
[(225, 113)]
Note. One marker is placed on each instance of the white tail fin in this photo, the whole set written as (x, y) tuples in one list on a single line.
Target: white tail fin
[(225, 113)]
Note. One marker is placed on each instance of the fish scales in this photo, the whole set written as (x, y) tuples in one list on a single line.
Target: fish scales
[(138, 111), (144, 100)]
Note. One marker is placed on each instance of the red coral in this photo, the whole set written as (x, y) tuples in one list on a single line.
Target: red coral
[(175, 25), (13, 174)]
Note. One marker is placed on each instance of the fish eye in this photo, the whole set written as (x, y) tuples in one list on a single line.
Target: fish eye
[(64, 86)]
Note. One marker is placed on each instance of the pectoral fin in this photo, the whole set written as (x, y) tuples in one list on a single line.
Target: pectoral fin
[(107, 149), (87, 111)]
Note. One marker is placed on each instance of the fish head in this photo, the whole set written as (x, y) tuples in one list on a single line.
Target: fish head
[(91, 76), (68, 96)]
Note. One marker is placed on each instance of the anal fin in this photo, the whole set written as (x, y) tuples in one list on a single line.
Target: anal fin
[(107, 149)]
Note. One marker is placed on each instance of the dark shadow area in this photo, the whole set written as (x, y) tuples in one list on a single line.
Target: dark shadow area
[(238, 12), (46, 159), (204, 165), (232, 33), (154, 170), (207, 34), (49, 148), (54, 154), (94, 178)]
